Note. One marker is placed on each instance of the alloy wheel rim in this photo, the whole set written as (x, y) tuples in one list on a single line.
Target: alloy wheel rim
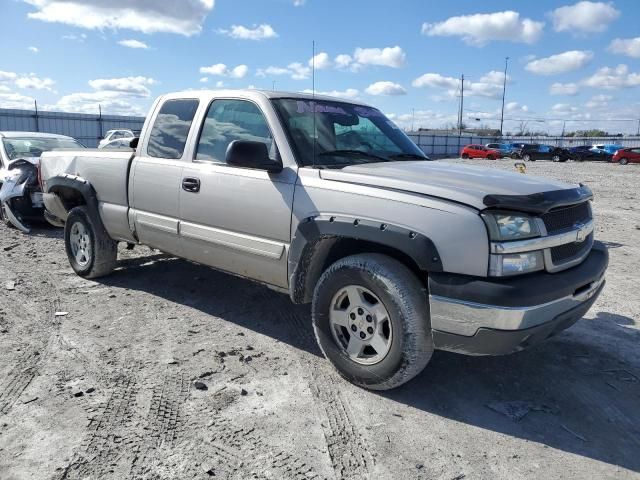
[(80, 243), (360, 325)]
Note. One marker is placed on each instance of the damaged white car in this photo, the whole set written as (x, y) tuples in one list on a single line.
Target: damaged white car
[(20, 193)]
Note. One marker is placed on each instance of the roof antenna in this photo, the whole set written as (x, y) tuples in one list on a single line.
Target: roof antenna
[(313, 97)]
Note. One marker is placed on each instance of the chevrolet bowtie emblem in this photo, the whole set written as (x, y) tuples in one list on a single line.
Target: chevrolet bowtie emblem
[(581, 233)]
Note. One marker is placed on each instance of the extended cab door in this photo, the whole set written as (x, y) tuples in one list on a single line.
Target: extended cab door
[(237, 219), (156, 174)]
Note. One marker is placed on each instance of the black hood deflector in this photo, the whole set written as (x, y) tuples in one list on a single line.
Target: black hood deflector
[(539, 203)]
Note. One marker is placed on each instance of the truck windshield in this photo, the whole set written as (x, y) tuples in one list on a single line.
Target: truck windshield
[(21, 147), (345, 134)]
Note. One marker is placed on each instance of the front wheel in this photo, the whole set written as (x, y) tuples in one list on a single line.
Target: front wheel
[(90, 250), (526, 157), (556, 158), (371, 320), (490, 157), (465, 156), (623, 161)]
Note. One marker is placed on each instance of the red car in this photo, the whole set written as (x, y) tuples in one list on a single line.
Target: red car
[(627, 155), (480, 151)]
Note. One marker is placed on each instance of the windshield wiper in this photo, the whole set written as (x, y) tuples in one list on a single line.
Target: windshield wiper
[(350, 153), (413, 156)]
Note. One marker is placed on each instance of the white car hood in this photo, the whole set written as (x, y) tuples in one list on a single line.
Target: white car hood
[(459, 183)]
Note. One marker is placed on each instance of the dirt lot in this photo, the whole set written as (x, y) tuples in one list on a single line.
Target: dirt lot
[(167, 369)]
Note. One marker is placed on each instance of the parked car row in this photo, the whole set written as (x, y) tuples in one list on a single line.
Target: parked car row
[(533, 151)]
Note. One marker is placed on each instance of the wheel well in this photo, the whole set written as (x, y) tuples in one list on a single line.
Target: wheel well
[(317, 257), (69, 196)]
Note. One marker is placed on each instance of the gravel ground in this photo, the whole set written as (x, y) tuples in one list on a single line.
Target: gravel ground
[(167, 369)]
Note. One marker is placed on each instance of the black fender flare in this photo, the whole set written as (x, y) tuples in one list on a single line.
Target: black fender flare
[(315, 236), (79, 184)]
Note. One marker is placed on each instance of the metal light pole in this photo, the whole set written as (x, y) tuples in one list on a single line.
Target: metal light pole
[(504, 91), (461, 105)]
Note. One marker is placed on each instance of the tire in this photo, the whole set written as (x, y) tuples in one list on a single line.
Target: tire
[(465, 156), (526, 157), (623, 161), (556, 158), (490, 157), (90, 250), (381, 284)]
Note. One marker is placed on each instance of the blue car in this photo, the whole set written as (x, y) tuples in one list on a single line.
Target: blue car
[(606, 148), (504, 148)]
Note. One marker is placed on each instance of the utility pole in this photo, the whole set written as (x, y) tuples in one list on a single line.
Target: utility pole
[(413, 118), (504, 91), (638, 134), (35, 102), (461, 104), (273, 85)]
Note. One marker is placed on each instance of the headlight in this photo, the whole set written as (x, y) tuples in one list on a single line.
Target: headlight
[(504, 226), (515, 263)]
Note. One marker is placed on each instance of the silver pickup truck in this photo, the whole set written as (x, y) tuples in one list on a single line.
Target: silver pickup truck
[(330, 202)]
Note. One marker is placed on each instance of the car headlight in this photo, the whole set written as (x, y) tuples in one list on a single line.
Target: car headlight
[(505, 226), (515, 263)]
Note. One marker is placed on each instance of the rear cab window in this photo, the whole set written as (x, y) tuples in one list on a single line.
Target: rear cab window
[(171, 127)]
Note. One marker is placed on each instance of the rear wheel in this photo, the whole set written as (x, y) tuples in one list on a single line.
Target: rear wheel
[(490, 157), (556, 158), (526, 157), (465, 156), (624, 161), (3, 215), (90, 250), (371, 320)]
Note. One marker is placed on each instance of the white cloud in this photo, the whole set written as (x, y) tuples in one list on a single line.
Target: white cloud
[(34, 82), (349, 93), (76, 38), (221, 70), (4, 88), (385, 88), (219, 84), (393, 57), (563, 89), (599, 101), (109, 102), (7, 76), (343, 60), (515, 107), (481, 28), (204, 79), (133, 44), (259, 32), (562, 108), (584, 17), (560, 63), (16, 100), (148, 16), (299, 3), (489, 85), (34, 49), (321, 61), (133, 86), (296, 70), (613, 78), (626, 46)]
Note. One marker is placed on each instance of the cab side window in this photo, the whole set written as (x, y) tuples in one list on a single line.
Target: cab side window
[(229, 120), (171, 127)]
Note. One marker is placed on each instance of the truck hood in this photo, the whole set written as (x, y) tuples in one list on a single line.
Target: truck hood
[(458, 183)]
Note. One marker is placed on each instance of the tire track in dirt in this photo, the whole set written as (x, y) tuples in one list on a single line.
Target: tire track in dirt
[(110, 435), (18, 380), (349, 456)]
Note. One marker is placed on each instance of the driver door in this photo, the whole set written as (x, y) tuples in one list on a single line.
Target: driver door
[(232, 218)]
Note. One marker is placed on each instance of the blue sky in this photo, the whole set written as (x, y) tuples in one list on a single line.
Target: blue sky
[(574, 61)]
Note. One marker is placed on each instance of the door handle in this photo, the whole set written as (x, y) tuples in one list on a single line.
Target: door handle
[(191, 184)]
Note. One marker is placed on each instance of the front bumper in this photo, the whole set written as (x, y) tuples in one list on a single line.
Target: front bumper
[(495, 316)]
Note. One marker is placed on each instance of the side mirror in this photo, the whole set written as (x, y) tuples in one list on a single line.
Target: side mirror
[(134, 142), (249, 154)]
